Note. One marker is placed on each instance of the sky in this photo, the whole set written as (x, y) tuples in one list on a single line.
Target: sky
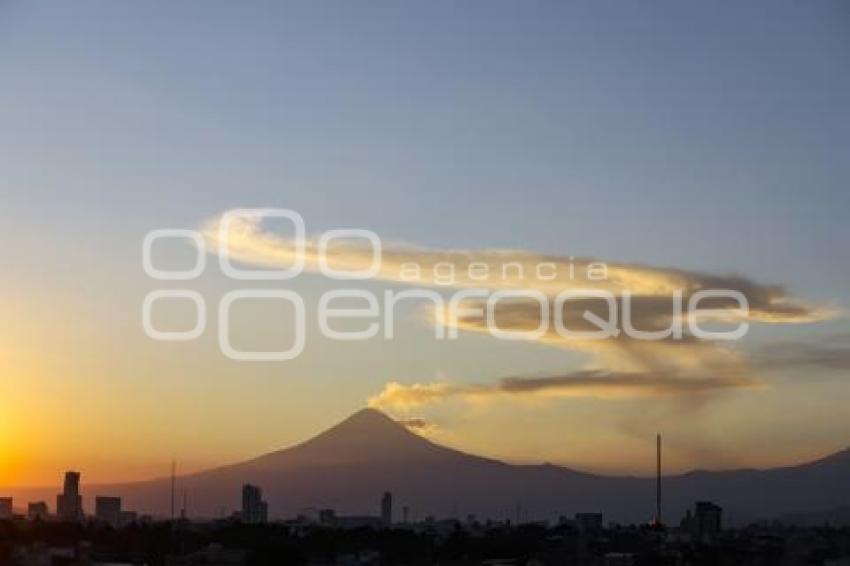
[(661, 138)]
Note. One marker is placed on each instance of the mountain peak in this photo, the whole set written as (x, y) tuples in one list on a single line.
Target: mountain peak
[(367, 423), (370, 416), (368, 434)]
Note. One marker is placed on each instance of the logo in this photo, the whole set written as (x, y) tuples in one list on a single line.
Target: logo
[(480, 291)]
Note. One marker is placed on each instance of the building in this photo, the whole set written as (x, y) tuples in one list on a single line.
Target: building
[(37, 511), (254, 509), (108, 510), (69, 503), (705, 522), (387, 508), (5, 508), (327, 517), (708, 518), (588, 522)]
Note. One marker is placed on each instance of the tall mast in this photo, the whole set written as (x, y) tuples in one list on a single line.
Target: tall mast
[(658, 479), (173, 474)]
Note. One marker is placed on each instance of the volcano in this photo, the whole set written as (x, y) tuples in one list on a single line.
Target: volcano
[(349, 466)]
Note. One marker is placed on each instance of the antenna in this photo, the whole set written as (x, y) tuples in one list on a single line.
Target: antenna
[(184, 511), (658, 479), (173, 474)]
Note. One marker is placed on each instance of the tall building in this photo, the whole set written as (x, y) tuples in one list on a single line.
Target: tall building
[(708, 518), (37, 511), (69, 503), (254, 509), (387, 508), (108, 510), (705, 522), (5, 508)]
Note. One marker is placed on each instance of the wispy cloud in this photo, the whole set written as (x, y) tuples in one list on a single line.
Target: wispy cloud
[(616, 367), (418, 425), (248, 242), (588, 383)]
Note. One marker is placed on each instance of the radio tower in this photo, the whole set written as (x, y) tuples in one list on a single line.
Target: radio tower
[(658, 480), (173, 474), (184, 512)]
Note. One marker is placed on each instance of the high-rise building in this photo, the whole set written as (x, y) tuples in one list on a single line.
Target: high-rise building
[(69, 503), (705, 522), (588, 522), (708, 518), (5, 508), (254, 509), (37, 511), (387, 508), (108, 510)]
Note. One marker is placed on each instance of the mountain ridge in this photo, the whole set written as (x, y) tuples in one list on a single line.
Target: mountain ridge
[(349, 465)]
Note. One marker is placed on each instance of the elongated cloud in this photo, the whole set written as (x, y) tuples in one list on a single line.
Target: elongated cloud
[(625, 351), (249, 243), (596, 384), (671, 365)]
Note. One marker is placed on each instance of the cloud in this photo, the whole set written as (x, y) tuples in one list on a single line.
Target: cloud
[(623, 352), (400, 396), (249, 243), (586, 383), (602, 384), (622, 366), (418, 425)]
